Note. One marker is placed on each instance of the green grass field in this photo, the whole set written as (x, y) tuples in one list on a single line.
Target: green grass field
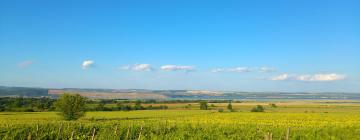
[(301, 120)]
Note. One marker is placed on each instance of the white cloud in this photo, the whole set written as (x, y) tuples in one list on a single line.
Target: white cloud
[(237, 69), (217, 70), (267, 69), (87, 64), (177, 68), (310, 78), (137, 67), (281, 77), (321, 77), (25, 64)]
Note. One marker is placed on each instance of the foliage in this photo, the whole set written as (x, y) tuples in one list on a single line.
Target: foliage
[(258, 108), (182, 125), (20, 104), (138, 105), (71, 106), (230, 107), (273, 105), (203, 105)]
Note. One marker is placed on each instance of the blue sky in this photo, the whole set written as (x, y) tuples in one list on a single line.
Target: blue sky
[(280, 45)]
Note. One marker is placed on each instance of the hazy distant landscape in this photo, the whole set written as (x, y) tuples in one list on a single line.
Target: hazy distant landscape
[(174, 94)]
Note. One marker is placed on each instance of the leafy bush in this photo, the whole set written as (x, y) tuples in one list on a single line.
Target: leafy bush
[(230, 106), (258, 108), (71, 106), (203, 105), (273, 105)]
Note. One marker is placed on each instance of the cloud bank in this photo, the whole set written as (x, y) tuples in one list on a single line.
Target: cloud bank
[(310, 78), (177, 68), (137, 67), (267, 69), (281, 77), (87, 64), (237, 69)]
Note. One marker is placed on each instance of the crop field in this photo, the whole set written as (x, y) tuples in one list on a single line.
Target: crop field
[(287, 121)]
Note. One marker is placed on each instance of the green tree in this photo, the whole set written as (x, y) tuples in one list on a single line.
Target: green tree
[(119, 106), (100, 107), (203, 105), (163, 107), (258, 108), (19, 102), (230, 107), (273, 105), (150, 107), (71, 106)]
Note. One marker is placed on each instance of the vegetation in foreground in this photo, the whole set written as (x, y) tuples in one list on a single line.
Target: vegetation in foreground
[(181, 120), (181, 124)]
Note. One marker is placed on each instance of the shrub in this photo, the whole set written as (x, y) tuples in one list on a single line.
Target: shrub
[(71, 106), (230, 107), (258, 108), (203, 105), (273, 105), (163, 107)]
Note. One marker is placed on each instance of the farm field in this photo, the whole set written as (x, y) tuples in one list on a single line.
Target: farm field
[(291, 120)]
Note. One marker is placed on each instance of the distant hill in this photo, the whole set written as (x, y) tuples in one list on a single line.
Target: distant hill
[(175, 94), (23, 91), (110, 94)]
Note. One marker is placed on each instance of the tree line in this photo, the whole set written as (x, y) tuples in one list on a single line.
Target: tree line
[(23, 104)]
